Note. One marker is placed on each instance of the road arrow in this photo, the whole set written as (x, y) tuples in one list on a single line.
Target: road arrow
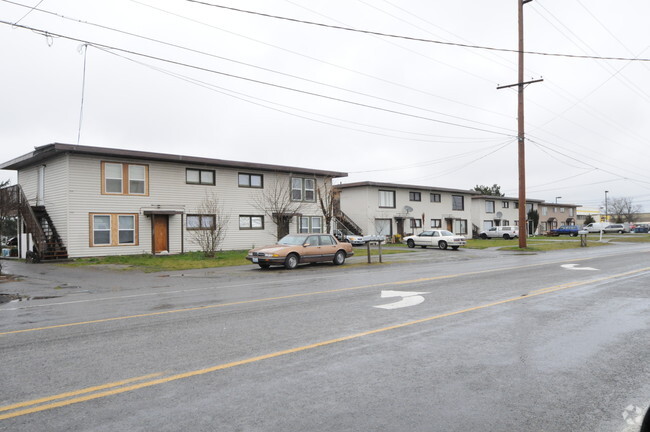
[(575, 267), (409, 298)]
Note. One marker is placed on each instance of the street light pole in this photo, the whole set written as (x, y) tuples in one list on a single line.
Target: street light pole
[(557, 198), (606, 213)]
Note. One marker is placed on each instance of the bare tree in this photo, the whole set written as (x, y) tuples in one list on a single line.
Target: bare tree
[(208, 226), (326, 200), (623, 209), (276, 203)]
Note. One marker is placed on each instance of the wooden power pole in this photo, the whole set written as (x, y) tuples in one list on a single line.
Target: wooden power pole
[(521, 148)]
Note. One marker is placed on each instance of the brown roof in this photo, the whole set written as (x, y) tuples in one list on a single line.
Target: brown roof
[(49, 151)]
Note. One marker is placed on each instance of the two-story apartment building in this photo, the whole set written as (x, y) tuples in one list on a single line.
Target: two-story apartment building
[(552, 215), (390, 208), (103, 201), (489, 211)]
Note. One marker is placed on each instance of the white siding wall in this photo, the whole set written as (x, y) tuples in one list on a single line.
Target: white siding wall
[(169, 190), (361, 204)]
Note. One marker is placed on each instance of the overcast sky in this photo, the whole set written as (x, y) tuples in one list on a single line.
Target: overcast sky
[(249, 87)]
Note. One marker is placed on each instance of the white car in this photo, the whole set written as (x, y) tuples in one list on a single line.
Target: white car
[(437, 238), (506, 232)]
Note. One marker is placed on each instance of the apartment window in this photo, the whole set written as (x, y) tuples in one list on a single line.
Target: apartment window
[(505, 222), (200, 222), (529, 208), (562, 209), (516, 204), (505, 204), (436, 223), (311, 224), (251, 222), (571, 212), (489, 206), (114, 229), (554, 209), (200, 177), (415, 196), (303, 189), (387, 199), (434, 197), (416, 223), (101, 230), (458, 202), (124, 179), (250, 180), (544, 211)]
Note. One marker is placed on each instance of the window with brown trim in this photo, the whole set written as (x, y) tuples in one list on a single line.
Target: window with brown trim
[(113, 229), (200, 222), (250, 180), (199, 177), (120, 178), (251, 222)]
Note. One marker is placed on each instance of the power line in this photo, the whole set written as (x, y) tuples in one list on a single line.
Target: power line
[(411, 38), (247, 64), (256, 81), (246, 98)]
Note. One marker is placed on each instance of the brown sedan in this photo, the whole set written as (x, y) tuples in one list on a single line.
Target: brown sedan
[(295, 249)]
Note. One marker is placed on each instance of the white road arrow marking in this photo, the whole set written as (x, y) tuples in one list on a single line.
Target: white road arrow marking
[(409, 298), (575, 267)]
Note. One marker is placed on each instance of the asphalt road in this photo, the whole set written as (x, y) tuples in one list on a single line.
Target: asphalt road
[(488, 341)]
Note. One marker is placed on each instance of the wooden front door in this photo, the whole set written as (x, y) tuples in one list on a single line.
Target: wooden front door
[(160, 233)]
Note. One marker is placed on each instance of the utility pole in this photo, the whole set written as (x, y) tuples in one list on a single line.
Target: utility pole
[(521, 148)]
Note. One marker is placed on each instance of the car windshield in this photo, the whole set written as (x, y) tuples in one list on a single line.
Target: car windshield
[(292, 240)]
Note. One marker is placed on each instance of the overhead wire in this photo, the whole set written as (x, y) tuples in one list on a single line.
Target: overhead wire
[(257, 81), (411, 38), (249, 64), (250, 99)]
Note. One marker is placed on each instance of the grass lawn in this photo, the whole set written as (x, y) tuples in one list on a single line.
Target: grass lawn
[(190, 260), (154, 263), (534, 244)]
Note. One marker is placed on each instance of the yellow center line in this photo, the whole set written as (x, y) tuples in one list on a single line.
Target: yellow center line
[(223, 366), (267, 299), (78, 392)]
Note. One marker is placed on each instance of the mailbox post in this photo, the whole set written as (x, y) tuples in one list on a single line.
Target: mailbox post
[(583, 237), (374, 239)]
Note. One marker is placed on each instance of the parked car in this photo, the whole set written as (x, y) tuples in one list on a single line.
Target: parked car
[(595, 227), (506, 232), (437, 238), (571, 230), (616, 228), (346, 236), (641, 228), (295, 249)]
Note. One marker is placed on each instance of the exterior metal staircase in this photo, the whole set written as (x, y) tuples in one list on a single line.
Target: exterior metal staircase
[(48, 245)]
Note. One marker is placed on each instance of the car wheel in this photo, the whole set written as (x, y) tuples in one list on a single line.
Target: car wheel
[(454, 247), (484, 236), (620, 231), (291, 262), (339, 258), (442, 244), (574, 234), (410, 243), (264, 266), (506, 237)]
